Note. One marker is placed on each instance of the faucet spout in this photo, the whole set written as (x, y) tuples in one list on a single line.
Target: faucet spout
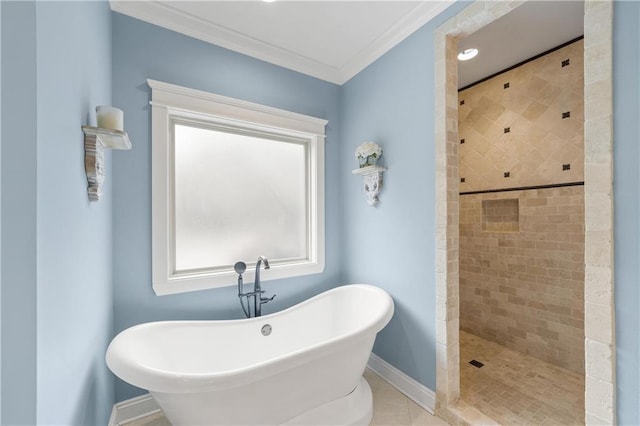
[(257, 289), (261, 260)]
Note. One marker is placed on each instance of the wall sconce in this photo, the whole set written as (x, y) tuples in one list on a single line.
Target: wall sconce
[(109, 134), (368, 154)]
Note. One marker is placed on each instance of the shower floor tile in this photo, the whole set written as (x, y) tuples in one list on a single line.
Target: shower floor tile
[(516, 389), (390, 407)]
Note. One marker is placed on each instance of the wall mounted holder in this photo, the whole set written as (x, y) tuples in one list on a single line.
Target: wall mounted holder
[(96, 140), (371, 182)]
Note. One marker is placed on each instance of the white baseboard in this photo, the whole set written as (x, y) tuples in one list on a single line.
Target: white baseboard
[(417, 392), (133, 409), (144, 405)]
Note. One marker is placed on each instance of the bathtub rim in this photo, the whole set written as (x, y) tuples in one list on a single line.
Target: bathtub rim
[(132, 370)]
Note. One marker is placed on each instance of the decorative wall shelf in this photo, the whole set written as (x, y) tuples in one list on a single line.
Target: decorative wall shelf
[(371, 182), (96, 140)]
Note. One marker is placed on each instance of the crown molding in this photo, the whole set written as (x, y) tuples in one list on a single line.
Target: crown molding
[(420, 15), (167, 17), (163, 15)]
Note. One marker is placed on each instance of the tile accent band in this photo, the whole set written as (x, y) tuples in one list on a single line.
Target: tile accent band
[(523, 188)]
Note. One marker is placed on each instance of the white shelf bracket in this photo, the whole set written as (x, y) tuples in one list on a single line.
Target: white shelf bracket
[(371, 182), (95, 142)]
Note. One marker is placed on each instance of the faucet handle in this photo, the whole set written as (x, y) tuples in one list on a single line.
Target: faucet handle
[(264, 300)]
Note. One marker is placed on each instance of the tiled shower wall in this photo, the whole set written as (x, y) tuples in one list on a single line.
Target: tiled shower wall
[(525, 126), (524, 288), (522, 252)]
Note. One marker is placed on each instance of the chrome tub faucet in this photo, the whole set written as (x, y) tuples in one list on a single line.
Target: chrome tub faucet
[(256, 294)]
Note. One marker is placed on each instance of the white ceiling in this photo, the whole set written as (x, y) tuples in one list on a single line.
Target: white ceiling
[(330, 40), (335, 39), (527, 31)]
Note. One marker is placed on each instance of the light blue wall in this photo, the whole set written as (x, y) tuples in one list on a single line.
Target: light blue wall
[(142, 51), (18, 195), (57, 290), (75, 285), (0, 215), (626, 108), (393, 244)]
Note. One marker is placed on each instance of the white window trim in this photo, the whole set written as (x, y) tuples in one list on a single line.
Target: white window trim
[(167, 100)]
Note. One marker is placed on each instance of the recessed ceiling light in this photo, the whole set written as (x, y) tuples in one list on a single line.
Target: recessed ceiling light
[(467, 54)]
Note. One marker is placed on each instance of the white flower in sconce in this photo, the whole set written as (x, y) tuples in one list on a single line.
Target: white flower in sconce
[(368, 154)]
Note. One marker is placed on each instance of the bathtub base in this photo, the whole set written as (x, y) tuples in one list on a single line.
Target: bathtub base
[(354, 409)]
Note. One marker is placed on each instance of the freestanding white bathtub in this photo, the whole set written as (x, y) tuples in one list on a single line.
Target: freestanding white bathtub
[(308, 370)]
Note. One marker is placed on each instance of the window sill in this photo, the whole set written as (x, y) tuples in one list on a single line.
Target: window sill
[(207, 280)]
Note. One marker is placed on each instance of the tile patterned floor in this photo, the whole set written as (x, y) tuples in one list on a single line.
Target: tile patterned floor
[(516, 389), (390, 408)]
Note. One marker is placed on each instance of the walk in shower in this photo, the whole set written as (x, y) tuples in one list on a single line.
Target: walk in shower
[(521, 230), (599, 340)]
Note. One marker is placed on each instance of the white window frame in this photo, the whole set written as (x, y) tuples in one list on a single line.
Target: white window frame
[(169, 102)]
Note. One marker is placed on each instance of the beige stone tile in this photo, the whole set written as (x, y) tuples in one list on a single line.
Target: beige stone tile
[(598, 323), (594, 420), (600, 398), (509, 281), (599, 361), (597, 288), (513, 388), (420, 417), (391, 415), (539, 140), (157, 419)]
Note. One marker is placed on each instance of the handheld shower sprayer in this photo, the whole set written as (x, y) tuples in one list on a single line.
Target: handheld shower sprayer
[(240, 268)]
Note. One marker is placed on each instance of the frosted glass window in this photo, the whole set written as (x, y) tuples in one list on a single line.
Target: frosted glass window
[(231, 181), (238, 195)]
